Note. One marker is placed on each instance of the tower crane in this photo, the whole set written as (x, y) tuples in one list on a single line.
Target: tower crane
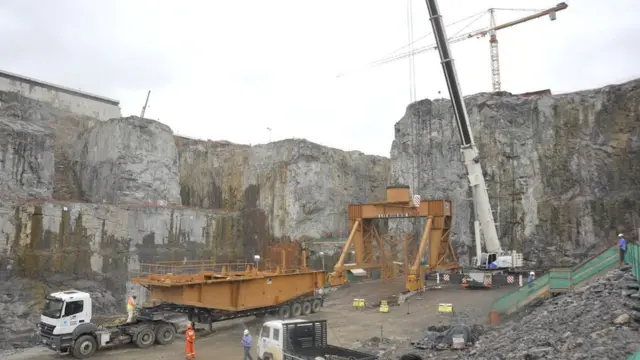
[(493, 39)]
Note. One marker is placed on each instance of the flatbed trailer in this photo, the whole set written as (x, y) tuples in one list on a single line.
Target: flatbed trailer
[(207, 292)]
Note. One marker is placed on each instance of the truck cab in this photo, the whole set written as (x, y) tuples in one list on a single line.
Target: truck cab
[(298, 339), (62, 314)]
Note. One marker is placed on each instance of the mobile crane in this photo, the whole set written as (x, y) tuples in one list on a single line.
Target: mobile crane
[(495, 259)]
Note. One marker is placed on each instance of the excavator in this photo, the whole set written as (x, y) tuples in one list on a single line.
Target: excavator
[(494, 260)]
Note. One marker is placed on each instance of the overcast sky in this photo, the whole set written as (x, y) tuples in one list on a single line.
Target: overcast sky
[(230, 69)]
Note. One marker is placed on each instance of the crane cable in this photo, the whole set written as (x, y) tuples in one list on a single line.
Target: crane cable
[(389, 55)]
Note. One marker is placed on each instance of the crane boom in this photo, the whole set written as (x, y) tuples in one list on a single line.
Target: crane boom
[(469, 150)]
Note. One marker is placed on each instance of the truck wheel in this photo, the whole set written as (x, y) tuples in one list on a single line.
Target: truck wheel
[(306, 308), (145, 338), (315, 305), (84, 347), (165, 334), (284, 312), (296, 309)]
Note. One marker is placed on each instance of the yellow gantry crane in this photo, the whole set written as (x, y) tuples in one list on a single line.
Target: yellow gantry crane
[(493, 39)]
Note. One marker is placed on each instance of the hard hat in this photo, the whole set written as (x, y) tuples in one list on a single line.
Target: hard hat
[(620, 235), (532, 273), (246, 332)]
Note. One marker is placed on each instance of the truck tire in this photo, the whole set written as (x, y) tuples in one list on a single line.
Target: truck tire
[(146, 337), (165, 334), (296, 309), (284, 312), (315, 305), (84, 347), (306, 308)]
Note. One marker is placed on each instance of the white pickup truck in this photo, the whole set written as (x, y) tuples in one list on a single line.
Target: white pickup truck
[(301, 340)]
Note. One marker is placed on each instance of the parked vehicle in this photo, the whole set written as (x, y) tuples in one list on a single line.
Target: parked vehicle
[(297, 339)]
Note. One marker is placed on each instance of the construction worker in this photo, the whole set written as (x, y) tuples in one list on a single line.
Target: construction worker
[(246, 344), (622, 246), (131, 308), (190, 348), (532, 276)]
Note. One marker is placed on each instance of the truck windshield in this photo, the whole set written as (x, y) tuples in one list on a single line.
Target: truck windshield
[(52, 307)]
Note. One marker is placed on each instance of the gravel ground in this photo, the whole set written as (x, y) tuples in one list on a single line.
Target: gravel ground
[(347, 327)]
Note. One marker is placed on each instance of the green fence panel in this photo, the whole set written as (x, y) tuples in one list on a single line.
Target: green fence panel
[(633, 257), (560, 280), (595, 266), (519, 297), (636, 355)]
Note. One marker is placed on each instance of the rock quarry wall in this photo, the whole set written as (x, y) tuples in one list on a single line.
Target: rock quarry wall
[(290, 188), (561, 170), (85, 202)]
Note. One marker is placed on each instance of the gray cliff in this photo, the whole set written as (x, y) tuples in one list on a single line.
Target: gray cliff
[(561, 170)]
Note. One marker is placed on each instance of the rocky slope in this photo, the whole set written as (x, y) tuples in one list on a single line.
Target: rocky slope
[(560, 169), (598, 321)]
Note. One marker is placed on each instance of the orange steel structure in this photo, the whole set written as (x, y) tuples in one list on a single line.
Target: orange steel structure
[(364, 234), (229, 287)]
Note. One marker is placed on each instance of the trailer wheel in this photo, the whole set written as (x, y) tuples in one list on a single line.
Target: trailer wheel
[(315, 305), (284, 311), (145, 338), (296, 309), (165, 334), (306, 308), (84, 347)]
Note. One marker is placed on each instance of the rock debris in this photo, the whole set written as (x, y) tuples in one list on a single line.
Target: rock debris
[(598, 321)]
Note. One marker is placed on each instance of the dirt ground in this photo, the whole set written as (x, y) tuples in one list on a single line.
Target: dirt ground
[(346, 325)]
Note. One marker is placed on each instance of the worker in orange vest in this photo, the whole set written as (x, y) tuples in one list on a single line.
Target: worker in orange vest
[(190, 349), (131, 307)]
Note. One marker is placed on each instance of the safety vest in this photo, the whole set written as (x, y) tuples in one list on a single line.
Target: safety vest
[(130, 304), (190, 335)]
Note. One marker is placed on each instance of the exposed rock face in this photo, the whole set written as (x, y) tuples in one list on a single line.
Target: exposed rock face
[(290, 188), (26, 160), (127, 160), (561, 170), (82, 240)]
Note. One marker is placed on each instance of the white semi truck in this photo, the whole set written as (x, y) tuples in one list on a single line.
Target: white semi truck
[(66, 326)]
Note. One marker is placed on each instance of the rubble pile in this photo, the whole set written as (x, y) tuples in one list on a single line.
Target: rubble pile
[(598, 321)]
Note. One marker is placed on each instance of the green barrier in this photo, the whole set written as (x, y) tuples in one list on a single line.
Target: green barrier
[(521, 297), (564, 279), (633, 257), (560, 280)]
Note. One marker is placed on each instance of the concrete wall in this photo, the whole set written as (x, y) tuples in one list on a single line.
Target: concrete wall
[(74, 101)]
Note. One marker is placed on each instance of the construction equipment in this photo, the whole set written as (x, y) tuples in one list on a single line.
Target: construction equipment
[(66, 326), (364, 234), (493, 40), (495, 259), (210, 292), (297, 339)]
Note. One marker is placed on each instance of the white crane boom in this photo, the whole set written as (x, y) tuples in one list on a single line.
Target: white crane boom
[(470, 152)]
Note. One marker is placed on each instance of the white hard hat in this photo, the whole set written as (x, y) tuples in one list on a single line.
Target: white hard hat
[(532, 273), (246, 332), (620, 235)]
